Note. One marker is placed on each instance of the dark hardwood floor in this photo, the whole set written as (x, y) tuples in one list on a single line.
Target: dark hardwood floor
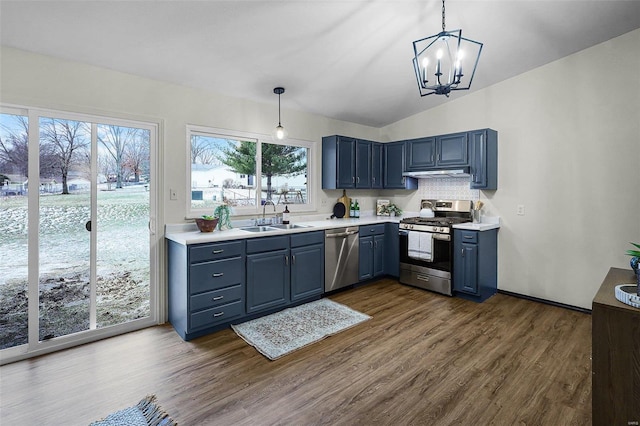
[(424, 359)]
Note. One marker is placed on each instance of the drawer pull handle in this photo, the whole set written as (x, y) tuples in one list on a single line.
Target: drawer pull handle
[(217, 274), (217, 298), (218, 314), (218, 251), (468, 236)]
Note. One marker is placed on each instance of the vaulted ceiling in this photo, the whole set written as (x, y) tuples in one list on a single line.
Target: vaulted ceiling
[(349, 60)]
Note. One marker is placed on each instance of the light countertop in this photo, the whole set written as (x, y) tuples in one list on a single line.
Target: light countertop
[(189, 234), (488, 222)]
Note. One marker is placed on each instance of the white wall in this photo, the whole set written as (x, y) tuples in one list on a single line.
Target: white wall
[(569, 150)]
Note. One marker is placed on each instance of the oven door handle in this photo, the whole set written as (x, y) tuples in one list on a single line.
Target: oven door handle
[(442, 237)]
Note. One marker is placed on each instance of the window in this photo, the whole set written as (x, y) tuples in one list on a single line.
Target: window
[(245, 172)]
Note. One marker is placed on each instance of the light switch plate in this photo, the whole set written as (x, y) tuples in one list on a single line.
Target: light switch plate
[(173, 194), (520, 209)]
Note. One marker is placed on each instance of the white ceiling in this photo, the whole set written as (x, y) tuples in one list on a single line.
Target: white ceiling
[(349, 60)]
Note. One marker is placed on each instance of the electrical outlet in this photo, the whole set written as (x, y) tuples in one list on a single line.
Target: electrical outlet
[(520, 209), (323, 202), (173, 194)]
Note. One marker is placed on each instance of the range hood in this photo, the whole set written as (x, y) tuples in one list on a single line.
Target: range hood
[(448, 173)]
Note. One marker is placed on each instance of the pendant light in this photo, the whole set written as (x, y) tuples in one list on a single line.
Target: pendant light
[(279, 133), (440, 61)]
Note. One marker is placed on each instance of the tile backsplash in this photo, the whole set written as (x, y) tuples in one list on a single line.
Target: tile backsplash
[(447, 189)]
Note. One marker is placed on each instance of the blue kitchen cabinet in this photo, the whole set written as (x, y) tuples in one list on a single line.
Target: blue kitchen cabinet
[(483, 159), (452, 150), (363, 164), (338, 162), (437, 152), (475, 264), (307, 265), (377, 160), (421, 153), (394, 162), (268, 280), (372, 251), (206, 286), (392, 246)]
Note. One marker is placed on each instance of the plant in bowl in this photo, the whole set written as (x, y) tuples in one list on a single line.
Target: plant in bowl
[(635, 263), (207, 223), (391, 209)]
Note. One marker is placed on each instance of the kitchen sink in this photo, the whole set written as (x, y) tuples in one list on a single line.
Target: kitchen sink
[(288, 226), (258, 229)]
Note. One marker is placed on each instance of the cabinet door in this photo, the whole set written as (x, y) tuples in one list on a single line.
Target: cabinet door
[(483, 160), (394, 166), (267, 280), (378, 255), (420, 153), (365, 266), (452, 150), (307, 271), (363, 164), (466, 274), (392, 249), (346, 170), (376, 165)]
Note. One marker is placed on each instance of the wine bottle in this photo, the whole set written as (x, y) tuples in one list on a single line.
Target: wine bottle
[(285, 215), (357, 210)]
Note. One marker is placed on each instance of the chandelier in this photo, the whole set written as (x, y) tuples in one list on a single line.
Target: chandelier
[(441, 60)]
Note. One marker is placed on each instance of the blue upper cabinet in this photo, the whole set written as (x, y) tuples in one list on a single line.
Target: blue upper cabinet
[(484, 159), (452, 150), (437, 152), (394, 167), (377, 161), (363, 164), (346, 163), (421, 153)]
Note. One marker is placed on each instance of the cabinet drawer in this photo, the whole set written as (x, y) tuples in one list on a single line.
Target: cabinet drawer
[(217, 315), (469, 237), (215, 275), (208, 252), (371, 230), (258, 245), (215, 298), (307, 238)]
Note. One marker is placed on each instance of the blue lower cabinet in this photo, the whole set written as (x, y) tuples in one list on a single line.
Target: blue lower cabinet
[(391, 248), (267, 280), (475, 264), (307, 271), (372, 252)]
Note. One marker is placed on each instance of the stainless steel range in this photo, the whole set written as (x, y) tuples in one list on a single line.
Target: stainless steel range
[(426, 244)]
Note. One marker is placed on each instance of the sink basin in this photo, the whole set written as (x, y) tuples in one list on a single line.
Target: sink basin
[(259, 229), (288, 226)]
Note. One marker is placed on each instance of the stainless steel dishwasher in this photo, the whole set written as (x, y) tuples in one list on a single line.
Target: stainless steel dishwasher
[(341, 249)]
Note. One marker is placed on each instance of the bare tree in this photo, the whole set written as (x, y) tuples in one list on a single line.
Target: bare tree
[(137, 155), (115, 139), (64, 141), (202, 150), (14, 147)]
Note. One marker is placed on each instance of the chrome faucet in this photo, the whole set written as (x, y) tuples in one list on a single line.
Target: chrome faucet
[(264, 206)]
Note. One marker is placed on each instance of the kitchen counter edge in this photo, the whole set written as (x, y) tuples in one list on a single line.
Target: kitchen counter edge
[(197, 237)]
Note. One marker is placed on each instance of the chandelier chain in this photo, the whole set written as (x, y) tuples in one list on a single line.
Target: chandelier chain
[(442, 15)]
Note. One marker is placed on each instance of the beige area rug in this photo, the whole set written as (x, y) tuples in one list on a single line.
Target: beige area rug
[(281, 333)]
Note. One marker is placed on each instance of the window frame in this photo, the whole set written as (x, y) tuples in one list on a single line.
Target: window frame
[(192, 129)]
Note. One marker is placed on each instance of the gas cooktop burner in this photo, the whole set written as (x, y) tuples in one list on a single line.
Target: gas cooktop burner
[(439, 221)]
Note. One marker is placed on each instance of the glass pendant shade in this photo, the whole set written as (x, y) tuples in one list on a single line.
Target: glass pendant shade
[(279, 133)]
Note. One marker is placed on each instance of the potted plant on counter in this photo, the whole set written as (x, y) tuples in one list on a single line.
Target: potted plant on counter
[(207, 223), (390, 209), (635, 263)]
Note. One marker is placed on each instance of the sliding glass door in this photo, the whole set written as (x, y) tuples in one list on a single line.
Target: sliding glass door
[(76, 212)]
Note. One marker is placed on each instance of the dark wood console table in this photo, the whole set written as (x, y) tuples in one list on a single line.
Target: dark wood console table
[(615, 341)]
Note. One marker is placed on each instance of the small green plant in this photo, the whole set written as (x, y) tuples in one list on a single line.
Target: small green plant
[(634, 252), (390, 209), (208, 217)]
